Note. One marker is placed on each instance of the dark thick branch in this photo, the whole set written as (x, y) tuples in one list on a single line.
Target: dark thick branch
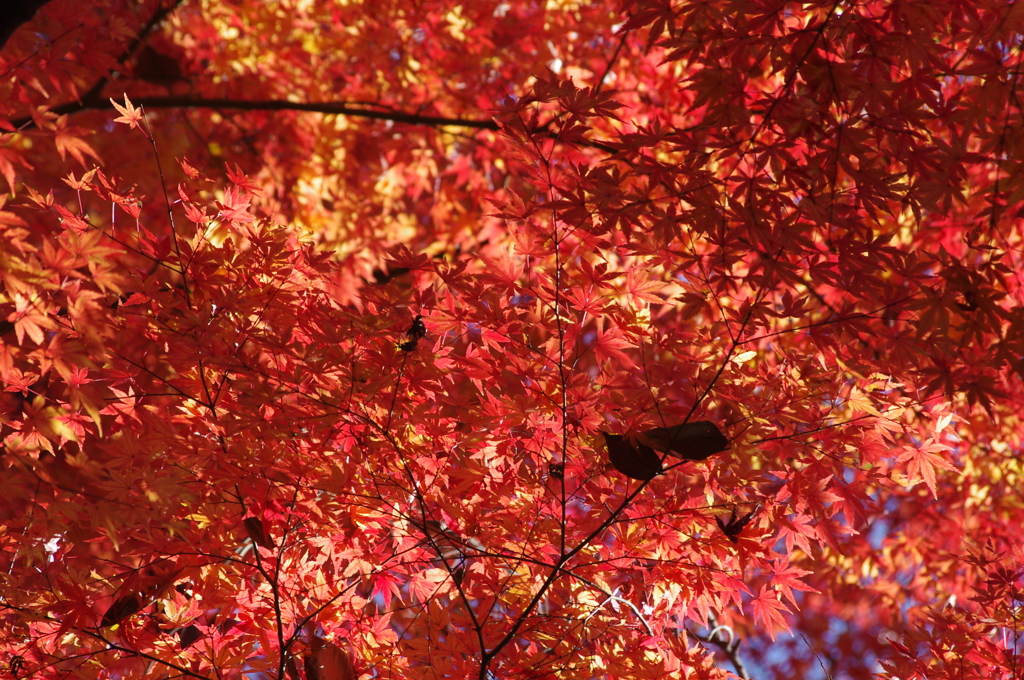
[(337, 108), (313, 107), (93, 103)]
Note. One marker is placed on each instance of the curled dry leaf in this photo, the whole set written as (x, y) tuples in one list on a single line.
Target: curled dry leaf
[(417, 331), (735, 525)]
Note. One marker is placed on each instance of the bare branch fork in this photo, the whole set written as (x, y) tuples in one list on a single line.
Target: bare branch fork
[(723, 637)]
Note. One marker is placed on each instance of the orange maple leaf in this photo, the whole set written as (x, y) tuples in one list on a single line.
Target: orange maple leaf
[(130, 116), (29, 319), (68, 140), (9, 218)]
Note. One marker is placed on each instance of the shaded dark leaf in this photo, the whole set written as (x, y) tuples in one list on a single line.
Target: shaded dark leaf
[(459, 574), (327, 661), (122, 608), (556, 470), (689, 441), (157, 67), (187, 636), (637, 462), (380, 277), (254, 530), (291, 669)]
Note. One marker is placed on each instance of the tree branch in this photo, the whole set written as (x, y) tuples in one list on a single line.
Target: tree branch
[(92, 98), (725, 639), (92, 101)]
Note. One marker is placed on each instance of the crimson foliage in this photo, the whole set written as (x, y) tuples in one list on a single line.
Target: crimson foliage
[(512, 340)]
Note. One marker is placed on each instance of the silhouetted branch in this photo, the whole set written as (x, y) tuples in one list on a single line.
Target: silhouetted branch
[(337, 108), (92, 101), (95, 102)]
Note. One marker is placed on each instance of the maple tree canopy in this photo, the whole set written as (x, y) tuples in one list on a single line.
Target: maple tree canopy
[(512, 340)]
